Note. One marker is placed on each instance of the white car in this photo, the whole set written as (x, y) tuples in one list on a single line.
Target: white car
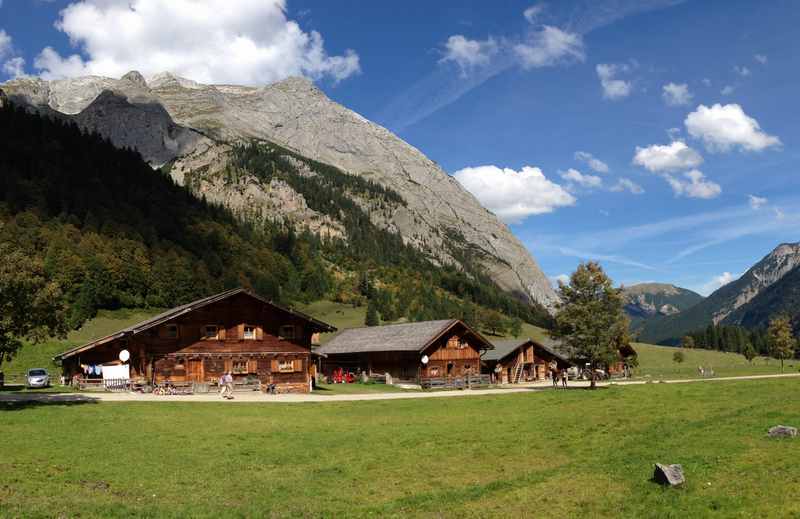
[(37, 377)]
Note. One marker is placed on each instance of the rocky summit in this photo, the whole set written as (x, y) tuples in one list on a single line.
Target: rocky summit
[(192, 127)]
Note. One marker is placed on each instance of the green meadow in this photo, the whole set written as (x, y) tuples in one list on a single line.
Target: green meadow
[(574, 453)]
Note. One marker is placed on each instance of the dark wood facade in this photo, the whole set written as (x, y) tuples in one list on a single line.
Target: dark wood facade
[(234, 331), (522, 361)]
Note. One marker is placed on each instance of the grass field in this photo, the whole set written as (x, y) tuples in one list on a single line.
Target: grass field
[(548, 454)]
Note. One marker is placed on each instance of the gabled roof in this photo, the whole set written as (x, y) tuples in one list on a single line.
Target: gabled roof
[(394, 337), (184, 309), (506, 347)]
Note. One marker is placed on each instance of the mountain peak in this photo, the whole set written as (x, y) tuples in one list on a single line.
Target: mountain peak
[(135, 77)]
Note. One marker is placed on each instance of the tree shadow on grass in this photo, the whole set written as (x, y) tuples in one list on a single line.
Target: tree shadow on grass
[(22, 401)]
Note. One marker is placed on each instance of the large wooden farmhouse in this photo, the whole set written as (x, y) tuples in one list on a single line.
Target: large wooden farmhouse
[(514, 361), (234, 331), (408, 351)]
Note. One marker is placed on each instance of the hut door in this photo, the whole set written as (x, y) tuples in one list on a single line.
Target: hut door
[(195, 370)]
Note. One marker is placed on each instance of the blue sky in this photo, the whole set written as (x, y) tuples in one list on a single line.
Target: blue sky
[(689, 107)]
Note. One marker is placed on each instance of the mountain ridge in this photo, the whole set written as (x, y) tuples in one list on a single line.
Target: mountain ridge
[(295, 114)]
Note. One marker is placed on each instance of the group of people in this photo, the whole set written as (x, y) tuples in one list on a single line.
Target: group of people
[(556, 375), (705, 372)]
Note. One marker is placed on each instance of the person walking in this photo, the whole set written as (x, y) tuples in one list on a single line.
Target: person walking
[(554, 377), (226, 386)]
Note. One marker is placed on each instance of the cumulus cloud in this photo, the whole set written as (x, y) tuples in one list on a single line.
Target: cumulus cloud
[(724, 127), (761, 58), (727, 90), (211, 42), (514, 195), (742, 71), (577, 179), (667, 157), (593, 162), (549, 46), (467, 53), (532, 13), (756, 202), (614, 88), (5, 44), (15, 67), (676, 94), (694, 185), (673, 133), (719, 282), (625, 184)]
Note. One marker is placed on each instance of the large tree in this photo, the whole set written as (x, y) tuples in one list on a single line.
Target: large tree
[(781, 340), (590, 319), (31, 306)]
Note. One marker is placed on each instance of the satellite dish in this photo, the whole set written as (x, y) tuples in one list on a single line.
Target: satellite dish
[(124, 355), (425, 359)]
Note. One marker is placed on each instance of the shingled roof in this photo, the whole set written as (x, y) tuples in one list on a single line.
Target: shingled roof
[(183, 309), (505, 347), (393, 337)]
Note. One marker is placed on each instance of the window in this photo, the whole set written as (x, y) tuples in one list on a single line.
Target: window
[(287, 331), (171, 331), (434, 371), (239, 367), (210, 331), (249, 332), (286, 366)]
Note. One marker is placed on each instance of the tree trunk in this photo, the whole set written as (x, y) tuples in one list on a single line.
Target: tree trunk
[(781, 364)]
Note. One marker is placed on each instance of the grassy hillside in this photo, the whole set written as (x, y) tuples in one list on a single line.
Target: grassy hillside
[(390, 459)]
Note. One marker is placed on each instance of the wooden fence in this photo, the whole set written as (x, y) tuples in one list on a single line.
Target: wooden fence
[(465, 382)]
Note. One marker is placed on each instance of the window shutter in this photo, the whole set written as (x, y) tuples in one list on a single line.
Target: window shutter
[(221, 333), (252, 366), (298, 364), (240, 331), (259, 333), (274, 367)]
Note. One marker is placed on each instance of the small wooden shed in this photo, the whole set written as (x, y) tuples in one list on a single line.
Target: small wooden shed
[(527, 360)]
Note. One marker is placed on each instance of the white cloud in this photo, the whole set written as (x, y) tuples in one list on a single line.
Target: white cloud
[(15, 67), (514, 195), (5, 44), (669, 157), (718, 282), (549, 46), (706, 81), (211, 42), (696, 185), (742, 71), (676, 94), (761, 58), (576, 178), (625, 184), (724, 127), (613, 88), (727, 90), (593, 162), (674, 134), (468, 54), (779, 214), (757, 202), (532, 13)]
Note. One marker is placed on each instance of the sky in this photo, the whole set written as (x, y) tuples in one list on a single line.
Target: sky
[(659, 137)]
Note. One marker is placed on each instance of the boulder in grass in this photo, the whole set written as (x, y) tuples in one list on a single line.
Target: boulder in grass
[(671, 475), (782, 431)]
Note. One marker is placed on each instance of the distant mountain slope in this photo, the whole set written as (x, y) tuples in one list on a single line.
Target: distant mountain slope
[(744, 300), (438, 217), (649, 300)]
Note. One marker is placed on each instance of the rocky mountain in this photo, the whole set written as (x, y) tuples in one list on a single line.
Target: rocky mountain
[(644, 301), (766, 288), (194, 128)]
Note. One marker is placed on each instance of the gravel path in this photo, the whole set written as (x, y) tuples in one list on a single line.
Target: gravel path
[(251, 397)]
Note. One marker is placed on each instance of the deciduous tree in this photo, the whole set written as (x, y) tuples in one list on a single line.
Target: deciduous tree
[(590, 320), (781, 340)]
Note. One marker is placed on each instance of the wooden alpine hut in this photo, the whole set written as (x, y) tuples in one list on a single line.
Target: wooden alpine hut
[(514, 361), (235, 331)]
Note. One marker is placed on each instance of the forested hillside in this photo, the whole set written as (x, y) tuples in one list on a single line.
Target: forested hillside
[(114, 233)]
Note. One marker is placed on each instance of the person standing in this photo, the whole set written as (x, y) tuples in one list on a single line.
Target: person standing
[(564, 378), (226, 385)]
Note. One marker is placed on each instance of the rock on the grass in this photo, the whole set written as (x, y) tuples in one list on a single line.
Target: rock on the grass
[(671, 475), (782, 431)]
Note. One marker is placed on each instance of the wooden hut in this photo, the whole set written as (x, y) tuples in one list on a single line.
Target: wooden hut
[(446, 349), (234, 331), (514, 361)]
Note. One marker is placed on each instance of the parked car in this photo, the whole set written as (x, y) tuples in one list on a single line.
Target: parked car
[(37, 377)]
